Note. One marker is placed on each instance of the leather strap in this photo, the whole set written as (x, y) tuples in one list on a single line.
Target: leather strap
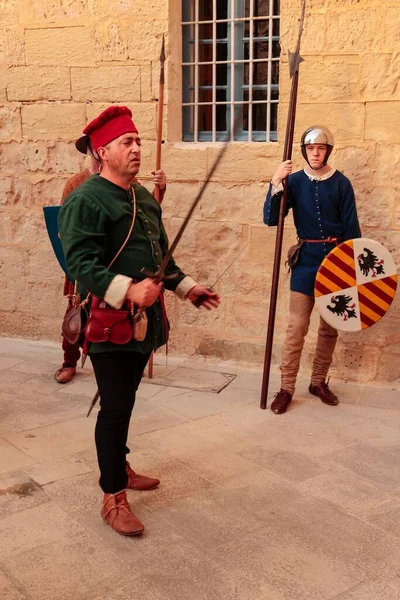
[(132, 191), (328, 240)]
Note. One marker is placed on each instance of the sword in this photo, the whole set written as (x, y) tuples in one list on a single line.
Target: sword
[(93, 403)]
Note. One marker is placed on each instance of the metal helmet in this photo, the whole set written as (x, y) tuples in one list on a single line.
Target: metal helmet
[(317, 134)]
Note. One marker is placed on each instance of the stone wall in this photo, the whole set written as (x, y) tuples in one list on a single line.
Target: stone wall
[(63, 61)]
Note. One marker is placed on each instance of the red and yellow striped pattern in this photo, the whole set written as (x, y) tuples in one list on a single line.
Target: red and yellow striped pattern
[(375, 298), (337, 272)]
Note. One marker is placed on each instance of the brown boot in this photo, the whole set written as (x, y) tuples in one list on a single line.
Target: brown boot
[(281, 402), (324, 393), (117, 512), (140, 482), (64, 374)]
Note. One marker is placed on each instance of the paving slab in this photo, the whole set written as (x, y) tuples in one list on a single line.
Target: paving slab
[(373, 590), (9, 588), (251, 506), (34, 527), (66, 570), (56, 469)]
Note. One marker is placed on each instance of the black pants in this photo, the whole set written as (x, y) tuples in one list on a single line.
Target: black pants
[(118, 375)]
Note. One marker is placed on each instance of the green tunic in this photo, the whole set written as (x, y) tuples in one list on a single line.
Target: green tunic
[(93, 223)]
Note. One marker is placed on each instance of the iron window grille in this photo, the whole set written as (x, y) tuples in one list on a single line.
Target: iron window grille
[(230, 65)]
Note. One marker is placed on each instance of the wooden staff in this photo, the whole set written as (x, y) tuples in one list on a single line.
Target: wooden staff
[(294, 62), (160, 117)]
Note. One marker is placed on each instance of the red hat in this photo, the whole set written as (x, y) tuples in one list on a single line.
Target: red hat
[(110, 124)]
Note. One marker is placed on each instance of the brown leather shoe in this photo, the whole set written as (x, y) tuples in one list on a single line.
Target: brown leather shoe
[(140, 482), (324, 393), (117, 512), (64, 374), (281, 402)]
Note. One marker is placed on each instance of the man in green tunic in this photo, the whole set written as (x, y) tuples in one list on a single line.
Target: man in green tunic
[(94, 222)]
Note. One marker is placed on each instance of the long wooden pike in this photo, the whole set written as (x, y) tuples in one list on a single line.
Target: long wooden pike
[(294, 62), (160, 114), (160, 117)]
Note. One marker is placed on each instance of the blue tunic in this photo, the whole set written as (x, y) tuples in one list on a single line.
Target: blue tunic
[(321, 209)]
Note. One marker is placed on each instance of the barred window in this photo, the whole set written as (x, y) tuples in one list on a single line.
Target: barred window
[(230, 69)]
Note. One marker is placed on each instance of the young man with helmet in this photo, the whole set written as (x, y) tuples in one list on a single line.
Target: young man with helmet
[(325, 214)]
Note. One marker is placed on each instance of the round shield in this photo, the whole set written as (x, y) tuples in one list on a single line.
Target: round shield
[(355, 284)]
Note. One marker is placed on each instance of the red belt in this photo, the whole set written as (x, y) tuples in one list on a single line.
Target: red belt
[(329, 240)]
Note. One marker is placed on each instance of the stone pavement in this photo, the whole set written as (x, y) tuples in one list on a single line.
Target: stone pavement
[(252, 506)]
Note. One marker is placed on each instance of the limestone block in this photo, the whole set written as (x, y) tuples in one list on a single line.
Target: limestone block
[(59, 46), (382, 121), (20, 157), (10, 123), (105, 84), (5, 220), (207, 245), (12, 45), (397, 208), (38, 83), (325, 79), (41, 263), (314, 34), (375, 87), (47, 190), (28, 325), (244, 279), (64, 158), (3, 85), (183, 164), (27, 227), (127, 8), (387, 163), (213, 320), (245, 162), (356, 361), (389, 365), (33, 294), (262, 244), (375, 207), (15, 191), (391, 36), (146, 82), (178, 198), (111, 39), (8, 10), (357, 30), (53, 121), (13, 262), (242, 203), (247, 316), (47, 12), (336, 4), (345, 120), (228, 349), (144, 41), (357, 163)]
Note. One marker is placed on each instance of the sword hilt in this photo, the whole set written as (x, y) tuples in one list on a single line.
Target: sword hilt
[(201, 299)]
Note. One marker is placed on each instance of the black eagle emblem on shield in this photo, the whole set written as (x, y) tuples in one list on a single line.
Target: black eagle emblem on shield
[(370, 262), (342, 307)]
